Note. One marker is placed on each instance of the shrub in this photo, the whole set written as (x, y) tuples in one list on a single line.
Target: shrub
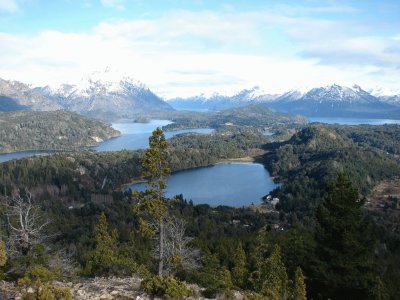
[(36, 285), (168, 287)]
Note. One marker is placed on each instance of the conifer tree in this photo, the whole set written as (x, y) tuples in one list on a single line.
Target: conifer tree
[(152, 205), (342, 266), (271, 279), (299, 286), (239, 270), (104, 256)]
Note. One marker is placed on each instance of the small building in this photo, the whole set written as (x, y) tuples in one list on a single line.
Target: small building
[(274, 201)]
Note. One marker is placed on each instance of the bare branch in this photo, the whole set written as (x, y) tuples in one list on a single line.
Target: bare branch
[(25, 221)]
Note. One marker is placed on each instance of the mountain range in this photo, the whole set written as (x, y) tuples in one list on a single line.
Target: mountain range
[(95, 96), (329, 101), (108, 98)]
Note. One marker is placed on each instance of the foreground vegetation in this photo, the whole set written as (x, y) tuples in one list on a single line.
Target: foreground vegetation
[(322, 241)]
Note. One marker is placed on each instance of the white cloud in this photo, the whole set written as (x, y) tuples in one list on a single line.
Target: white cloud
[(117, 4), (187, 53), (8, 5)]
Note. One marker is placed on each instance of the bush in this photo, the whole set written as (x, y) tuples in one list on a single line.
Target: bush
[(36, 285), (168, 288)]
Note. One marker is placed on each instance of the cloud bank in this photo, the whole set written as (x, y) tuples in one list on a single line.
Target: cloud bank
[(183, 53)]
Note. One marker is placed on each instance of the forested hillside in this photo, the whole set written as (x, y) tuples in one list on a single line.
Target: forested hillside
[(53, 130), (263, 255), (317, 153)]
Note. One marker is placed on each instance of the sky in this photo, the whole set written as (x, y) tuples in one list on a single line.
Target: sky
[(182, 48)]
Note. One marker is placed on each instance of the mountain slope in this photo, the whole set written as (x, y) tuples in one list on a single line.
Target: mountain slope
[(329, 101), (16, 95), (107, 99), (316, 154), (34, 130), (97, 96), (218, 102), (336, 101)]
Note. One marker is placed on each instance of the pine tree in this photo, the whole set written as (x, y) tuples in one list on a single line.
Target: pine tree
[(104, 256), (299, 286), (152, 205), (343, 244), (271, 279), (239, 270)]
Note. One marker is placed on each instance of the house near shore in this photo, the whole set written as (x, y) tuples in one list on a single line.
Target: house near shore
[(270, 201)]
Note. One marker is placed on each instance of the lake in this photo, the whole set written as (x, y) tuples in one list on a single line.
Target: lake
[(353, 121), (231, 184), (136, 135), (22, 154), (133, 136)]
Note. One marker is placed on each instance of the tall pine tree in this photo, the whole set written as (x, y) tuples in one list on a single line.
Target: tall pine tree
[(152, 206), (342, 267)]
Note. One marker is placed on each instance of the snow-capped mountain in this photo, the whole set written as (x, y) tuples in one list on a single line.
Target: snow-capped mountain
[(329, 101), (103, 94), (334, 101), (217, 102), (98, 95)]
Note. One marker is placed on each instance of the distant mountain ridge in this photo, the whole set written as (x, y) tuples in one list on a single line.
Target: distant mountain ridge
[(109, 97), (217, 102), (15, 95), (97, 97), (329, 101)]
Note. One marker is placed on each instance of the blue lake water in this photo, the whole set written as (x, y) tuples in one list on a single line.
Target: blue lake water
[(22, 154), (133, 136), (136, 135), (231, 184), (354, 121)]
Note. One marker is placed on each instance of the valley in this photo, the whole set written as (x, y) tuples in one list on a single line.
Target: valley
[(244, 178)]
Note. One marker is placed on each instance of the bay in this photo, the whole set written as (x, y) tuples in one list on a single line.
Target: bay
[(231, 184), (133, 136)]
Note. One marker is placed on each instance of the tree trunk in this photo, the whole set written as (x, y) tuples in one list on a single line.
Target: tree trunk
[(161, 241)]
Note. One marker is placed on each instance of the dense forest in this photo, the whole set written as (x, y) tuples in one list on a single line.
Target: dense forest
[(55, 130), (321, 242)]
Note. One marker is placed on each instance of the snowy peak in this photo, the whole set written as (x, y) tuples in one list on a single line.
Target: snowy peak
[(337, 93), (102, 83)]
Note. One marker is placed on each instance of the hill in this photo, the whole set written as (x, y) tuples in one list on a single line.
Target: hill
[(250, 116), (315, 155), (34, 130)]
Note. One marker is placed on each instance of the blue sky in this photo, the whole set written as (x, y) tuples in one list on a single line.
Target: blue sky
[(188, 47)]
